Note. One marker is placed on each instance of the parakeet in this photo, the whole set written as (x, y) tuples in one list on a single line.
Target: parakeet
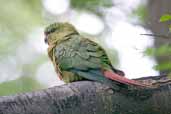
[(78, 58)]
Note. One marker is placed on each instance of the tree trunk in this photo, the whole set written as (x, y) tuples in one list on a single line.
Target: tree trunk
[(157, 8), (86, 97)]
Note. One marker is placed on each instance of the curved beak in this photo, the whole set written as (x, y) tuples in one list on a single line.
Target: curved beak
[(46, 41)]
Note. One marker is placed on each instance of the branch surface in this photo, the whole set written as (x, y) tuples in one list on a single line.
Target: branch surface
[(86, 97)]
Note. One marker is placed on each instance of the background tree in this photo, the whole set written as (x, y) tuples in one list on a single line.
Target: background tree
[(155, 9)]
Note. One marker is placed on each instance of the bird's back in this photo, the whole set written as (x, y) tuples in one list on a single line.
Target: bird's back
[(76, 52)]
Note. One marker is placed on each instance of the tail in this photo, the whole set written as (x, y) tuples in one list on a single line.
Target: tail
[(121, 79)]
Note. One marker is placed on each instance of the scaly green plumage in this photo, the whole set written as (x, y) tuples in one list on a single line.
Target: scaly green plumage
[(75, 57)]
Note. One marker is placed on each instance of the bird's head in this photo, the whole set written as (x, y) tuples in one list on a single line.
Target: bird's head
[(56, 31)]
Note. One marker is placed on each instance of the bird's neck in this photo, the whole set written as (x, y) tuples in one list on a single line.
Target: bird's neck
[(60, 37)]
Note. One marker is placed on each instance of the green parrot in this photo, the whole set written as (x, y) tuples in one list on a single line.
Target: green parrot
[(78, 58)]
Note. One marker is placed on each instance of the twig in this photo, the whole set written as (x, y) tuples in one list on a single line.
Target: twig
[(157, 35)]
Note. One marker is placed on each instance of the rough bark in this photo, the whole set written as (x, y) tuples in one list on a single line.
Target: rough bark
[(88, 97)]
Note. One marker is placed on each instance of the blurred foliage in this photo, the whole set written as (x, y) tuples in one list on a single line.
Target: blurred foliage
[(29, 69), (26, 82), (140, 12), (165, 51), (91, 5), (17, 18), (163, 66), (23, 84)]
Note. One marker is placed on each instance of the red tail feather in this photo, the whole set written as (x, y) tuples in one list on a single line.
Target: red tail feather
[(121, 79)]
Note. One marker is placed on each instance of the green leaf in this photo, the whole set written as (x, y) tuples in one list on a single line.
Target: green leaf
[(165, 18)]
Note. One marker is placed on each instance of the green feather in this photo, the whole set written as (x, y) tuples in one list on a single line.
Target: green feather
[(76, 57)]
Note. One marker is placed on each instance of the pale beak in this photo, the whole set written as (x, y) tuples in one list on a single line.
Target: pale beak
[(46, 41)]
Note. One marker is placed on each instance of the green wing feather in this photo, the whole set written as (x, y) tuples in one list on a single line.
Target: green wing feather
[(84, 58), (81, 53)]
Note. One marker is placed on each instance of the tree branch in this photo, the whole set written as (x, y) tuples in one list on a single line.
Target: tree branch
[(88, 97)]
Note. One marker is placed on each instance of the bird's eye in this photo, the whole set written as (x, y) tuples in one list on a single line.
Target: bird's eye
[(50, 31), (53, 30)]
